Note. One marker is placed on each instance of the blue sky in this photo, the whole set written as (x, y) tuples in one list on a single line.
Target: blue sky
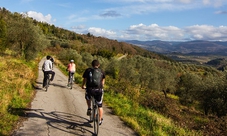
[(167, 20)]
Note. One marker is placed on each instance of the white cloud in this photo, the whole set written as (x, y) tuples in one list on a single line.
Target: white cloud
[(40, 17), (154, 31), (101, 32), (167, 33), (206, 32), (79, 29)]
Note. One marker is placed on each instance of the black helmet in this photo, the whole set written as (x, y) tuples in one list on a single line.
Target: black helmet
[(48, 57)]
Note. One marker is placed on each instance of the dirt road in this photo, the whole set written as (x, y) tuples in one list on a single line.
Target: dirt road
[(62, 112)]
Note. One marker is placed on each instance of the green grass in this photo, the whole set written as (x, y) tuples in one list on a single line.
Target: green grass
[(16, 90), (144, 121)]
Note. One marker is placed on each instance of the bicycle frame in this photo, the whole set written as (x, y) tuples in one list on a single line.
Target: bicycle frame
[(71, 81)]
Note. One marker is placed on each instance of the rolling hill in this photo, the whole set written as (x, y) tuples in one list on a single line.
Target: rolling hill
[(189, 47)]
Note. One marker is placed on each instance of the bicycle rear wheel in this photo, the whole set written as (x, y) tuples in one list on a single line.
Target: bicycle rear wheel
[(71, 83), (96, 120)]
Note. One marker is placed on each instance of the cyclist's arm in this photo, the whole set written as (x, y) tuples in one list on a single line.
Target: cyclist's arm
[(84, 83), (67, 69), (103, 79), (85, 78), (103, 82), (51, 65), (43, 66)]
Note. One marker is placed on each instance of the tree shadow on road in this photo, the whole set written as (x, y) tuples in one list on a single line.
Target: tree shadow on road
[(67, 122)]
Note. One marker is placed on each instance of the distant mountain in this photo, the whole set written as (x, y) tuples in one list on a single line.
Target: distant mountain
[(189, 47)]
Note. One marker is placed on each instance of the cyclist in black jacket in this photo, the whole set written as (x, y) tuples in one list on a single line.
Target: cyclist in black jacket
[(97, 92)]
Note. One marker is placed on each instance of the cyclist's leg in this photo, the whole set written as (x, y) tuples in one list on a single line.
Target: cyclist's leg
[(88, 101), (69, 74), (100, 115), (45, 78), (99, 100), (73, 77), (68, 79), (52, 75)]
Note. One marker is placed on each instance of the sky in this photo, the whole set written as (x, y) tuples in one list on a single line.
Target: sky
[(144, 20)]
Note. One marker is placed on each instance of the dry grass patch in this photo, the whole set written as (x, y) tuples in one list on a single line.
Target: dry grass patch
[(16, 90)]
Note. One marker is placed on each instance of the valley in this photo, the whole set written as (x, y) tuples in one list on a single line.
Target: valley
[(195, 52)]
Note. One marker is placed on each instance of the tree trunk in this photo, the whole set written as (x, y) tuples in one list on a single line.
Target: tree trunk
[(165, 93)]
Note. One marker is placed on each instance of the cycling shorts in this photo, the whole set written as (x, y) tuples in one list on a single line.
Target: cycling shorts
[(97, 93)]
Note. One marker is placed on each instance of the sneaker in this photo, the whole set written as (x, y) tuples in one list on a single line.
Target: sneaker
[(100, 122), (89, 112)]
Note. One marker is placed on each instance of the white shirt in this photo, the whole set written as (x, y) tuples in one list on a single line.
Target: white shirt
[(47, 65)]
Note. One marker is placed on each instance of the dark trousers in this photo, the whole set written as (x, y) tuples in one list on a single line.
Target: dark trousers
[(46, 73), (70, 74)]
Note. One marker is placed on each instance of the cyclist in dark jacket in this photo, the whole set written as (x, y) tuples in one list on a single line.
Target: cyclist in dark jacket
[(97, 92)]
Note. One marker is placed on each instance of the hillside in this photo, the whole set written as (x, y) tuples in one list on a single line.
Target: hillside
[(192, 47), (219, 63)]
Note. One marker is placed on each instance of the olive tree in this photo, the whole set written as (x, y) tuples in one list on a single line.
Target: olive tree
[(167, 80), (2, 34), (213, 95), (25, 38), (189, 86)]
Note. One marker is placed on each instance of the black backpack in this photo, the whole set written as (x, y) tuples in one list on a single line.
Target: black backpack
[(95, 78)]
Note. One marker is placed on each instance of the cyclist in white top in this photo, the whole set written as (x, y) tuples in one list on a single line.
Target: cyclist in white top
[(48, 69)]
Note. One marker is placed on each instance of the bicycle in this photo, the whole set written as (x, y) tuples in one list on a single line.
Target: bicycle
[(95, 115), (70, 84)]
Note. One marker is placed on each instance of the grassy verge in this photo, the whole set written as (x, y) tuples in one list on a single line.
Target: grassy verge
[(144, 121), (16, 90)]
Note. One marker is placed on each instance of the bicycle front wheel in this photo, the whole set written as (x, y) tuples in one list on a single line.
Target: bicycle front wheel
[(96, 121), (71, 84)]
